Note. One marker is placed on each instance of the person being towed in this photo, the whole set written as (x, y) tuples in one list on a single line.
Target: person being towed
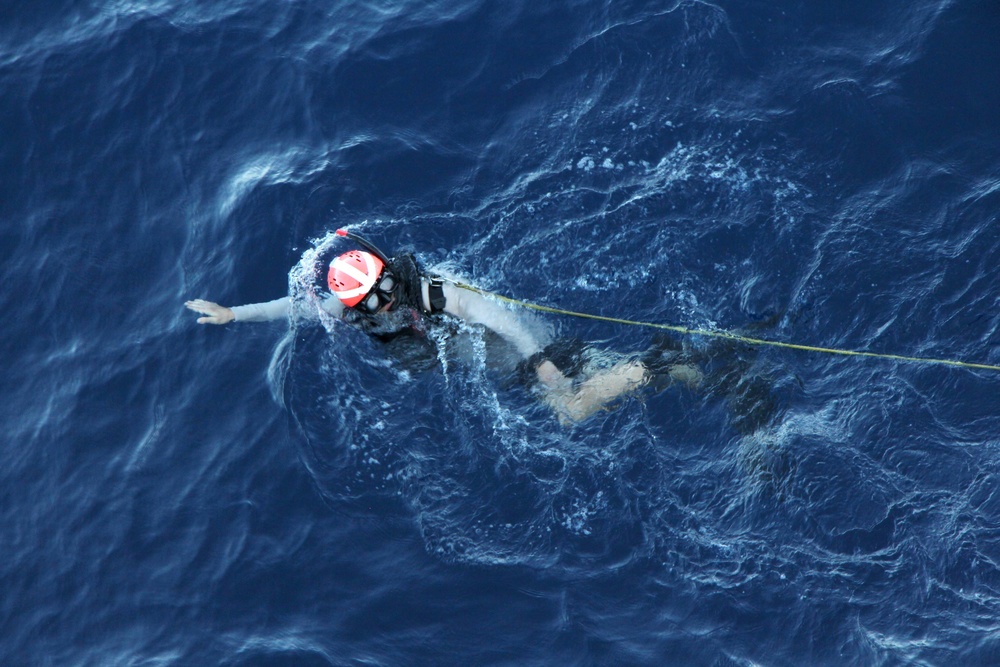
[(366, 288)]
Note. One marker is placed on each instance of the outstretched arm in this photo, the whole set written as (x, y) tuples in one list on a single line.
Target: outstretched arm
[(254, 312), (476, 308)]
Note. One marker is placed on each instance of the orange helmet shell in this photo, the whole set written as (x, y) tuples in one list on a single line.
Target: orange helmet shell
[(353, 274)]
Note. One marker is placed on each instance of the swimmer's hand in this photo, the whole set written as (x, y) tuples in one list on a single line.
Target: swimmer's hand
[(216, 314)]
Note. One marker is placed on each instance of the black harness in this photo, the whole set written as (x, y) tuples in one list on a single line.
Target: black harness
[(409, 286), (436, 293)]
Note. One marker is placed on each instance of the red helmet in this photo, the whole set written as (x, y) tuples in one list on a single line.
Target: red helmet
[(353, 274)]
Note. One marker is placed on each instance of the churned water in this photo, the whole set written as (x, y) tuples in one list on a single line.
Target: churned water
[(294, 494)]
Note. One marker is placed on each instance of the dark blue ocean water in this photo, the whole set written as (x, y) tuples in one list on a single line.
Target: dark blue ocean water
[(173, 494)]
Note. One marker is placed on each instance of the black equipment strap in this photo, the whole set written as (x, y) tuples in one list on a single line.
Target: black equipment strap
[(435, 292)]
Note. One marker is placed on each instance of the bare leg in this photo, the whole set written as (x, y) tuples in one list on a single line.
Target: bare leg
[(576, 404)]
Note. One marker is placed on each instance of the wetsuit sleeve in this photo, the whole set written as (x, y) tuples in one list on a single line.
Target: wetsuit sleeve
[(280, 308), (476, 308), (263, 312), (332, 305)]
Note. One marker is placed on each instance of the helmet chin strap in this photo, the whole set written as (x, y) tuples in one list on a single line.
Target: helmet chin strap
[(367, 244)]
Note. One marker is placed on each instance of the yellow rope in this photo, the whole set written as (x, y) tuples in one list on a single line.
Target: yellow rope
[(726, 334)]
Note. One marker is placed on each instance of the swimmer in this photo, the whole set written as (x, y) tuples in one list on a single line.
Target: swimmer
[(367, 288)]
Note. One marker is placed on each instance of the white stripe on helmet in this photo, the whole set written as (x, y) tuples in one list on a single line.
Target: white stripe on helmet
[(366, 280)]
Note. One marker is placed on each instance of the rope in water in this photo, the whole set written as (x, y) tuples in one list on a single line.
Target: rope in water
[(726, 334)]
